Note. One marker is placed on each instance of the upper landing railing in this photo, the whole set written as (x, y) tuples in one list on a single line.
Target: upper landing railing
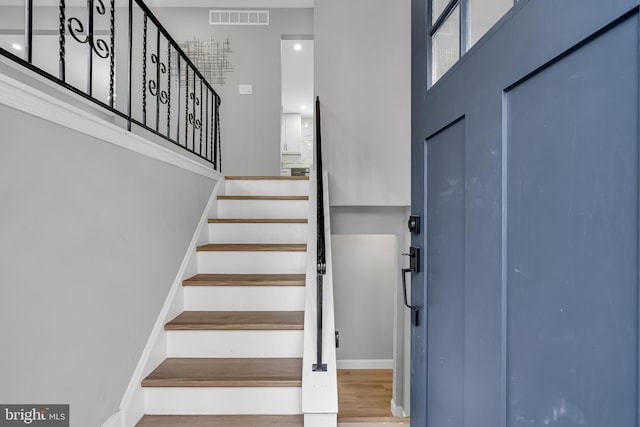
[(117, 54)]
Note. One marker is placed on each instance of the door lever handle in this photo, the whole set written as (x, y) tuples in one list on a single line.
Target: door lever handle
[(415, 311)]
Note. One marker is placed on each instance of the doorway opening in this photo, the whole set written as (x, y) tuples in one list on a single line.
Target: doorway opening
[(297, 107)]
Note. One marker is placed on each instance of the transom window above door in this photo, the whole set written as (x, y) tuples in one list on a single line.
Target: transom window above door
[(455, 26)]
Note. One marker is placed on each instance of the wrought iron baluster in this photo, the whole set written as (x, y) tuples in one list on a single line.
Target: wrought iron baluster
[(130, 82), (217, 164), (206, 127), (193, 113), (61, 40), (186, 105), (90, 47), (112, 58), (144, 70), (211, 121), (200, 116), (179, 76), (169, 89), (159, 82), (28, 31)]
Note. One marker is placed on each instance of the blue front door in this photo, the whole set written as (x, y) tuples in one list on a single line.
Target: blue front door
[(525, 168)]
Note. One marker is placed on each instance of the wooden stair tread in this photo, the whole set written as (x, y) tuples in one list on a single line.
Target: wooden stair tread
[(268, 178), (257, 221), (263, 198), (254, 247), (237, 320), (207, 372), (221, 421), (246, 280)]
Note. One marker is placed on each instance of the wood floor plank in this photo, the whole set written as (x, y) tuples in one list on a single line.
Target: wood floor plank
[(246, 280), (364, 393), (254, 247), (221, 421), (237, 320), (268, 178), (263, 197), (257, 221), (206, 372)]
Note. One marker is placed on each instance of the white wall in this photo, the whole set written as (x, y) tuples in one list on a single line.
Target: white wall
[(92, 236), (364, 286), (362, 75), (250, 123)]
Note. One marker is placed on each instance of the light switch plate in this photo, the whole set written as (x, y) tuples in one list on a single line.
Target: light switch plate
[(245, 89)]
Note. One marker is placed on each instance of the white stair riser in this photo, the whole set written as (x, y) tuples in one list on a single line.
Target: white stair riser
[(263, 209), (267, 187), (244, 298), (278, 262), (234, 344), (258, 233), (223, 400)]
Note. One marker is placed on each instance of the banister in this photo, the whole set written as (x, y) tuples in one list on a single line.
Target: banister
[(190, 120), (321, 250)]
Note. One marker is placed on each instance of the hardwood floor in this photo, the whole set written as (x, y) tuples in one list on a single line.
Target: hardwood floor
[(364, 393)]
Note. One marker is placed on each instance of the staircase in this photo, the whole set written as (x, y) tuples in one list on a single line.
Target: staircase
[(234, 356)]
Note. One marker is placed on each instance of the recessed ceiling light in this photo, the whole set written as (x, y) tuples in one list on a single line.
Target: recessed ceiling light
[(297, 46), (16, 46), (304, 107)]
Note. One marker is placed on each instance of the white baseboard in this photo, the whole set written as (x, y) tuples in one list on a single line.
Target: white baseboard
[(116, 420), (397, 411), (365, 364)]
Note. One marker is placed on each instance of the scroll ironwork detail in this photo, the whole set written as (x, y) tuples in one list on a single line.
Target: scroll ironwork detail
[(77, 31)]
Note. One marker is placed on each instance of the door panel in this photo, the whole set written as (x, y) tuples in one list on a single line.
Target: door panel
[(530, 279), (572, 239), (445, 276)]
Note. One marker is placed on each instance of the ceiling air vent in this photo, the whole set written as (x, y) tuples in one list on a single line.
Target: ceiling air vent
[(238, 17)]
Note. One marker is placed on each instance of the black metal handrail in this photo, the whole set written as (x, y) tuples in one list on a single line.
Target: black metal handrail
[(165, 92), (321, 254)]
